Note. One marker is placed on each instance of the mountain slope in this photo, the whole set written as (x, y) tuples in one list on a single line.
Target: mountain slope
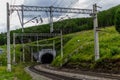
[(79, 51)]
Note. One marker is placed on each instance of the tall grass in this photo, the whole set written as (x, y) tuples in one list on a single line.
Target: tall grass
[(109, 40)]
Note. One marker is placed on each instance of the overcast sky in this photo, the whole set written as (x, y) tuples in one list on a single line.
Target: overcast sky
[(105, 4)]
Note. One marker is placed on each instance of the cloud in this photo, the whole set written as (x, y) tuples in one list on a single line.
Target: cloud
[(2, 27), (3, 14), (105, 4)]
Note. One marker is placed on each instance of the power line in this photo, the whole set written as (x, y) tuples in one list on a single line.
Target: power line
[(60, 2), (14, 2), (55, 2), (89, 6), (99, 1), (72, 3), (65, 2), (11, 2)]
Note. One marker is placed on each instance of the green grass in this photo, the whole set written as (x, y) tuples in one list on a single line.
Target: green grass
[(17, 73), (78, 51), (81, 48)]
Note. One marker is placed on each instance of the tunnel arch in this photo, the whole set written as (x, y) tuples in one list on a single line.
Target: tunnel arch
[(47, 58)]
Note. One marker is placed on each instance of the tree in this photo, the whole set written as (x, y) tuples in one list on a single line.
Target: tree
[(117, 20)]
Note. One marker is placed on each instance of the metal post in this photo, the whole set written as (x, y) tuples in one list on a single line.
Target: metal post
[(37, 44), (14, 59), (53, 44), (96, 40), (23, 32), (51, 20), (31, 54), (61, 45), (8, 40), (22, 18), (20, 58)]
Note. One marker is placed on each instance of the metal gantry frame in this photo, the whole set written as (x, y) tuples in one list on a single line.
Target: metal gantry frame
[(51, 9), (38, 45)]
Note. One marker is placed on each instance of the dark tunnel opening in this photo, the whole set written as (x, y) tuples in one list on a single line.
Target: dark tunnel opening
[(47, 58)]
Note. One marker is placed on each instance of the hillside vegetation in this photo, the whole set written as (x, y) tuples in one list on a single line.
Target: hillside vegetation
[(105, 18), (79, 51), (17, 73)]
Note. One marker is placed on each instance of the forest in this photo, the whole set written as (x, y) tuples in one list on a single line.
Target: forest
[(105, 18)]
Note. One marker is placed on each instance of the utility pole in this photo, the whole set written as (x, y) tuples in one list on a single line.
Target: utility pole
[(8, 40), (96, 38), (61, 45), (31, 54), (53, 44), (14, 59), (37, 43), (23, 32), (51, 19)]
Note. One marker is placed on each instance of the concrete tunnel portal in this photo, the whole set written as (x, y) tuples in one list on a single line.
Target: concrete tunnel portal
[(45, 56)]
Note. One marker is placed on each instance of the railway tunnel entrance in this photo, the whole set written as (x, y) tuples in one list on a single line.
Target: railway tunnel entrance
[(47, 58)]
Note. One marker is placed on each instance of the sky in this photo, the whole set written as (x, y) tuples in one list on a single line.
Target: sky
[(83, 4)]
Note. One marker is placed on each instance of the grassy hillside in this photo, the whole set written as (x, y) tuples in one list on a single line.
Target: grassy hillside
[(79, 51)]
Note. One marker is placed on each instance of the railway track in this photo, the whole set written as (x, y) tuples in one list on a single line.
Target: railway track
[(51, 75), (68, 75)]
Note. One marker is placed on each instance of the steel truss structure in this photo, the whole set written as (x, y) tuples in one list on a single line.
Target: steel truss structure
[(37, 35), (50, 9)]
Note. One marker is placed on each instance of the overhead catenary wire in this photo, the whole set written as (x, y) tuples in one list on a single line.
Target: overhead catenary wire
[(11, 2), (72, 3), (90, 5), (14, 2), (54, 2), (65, 3), (60, 3)]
